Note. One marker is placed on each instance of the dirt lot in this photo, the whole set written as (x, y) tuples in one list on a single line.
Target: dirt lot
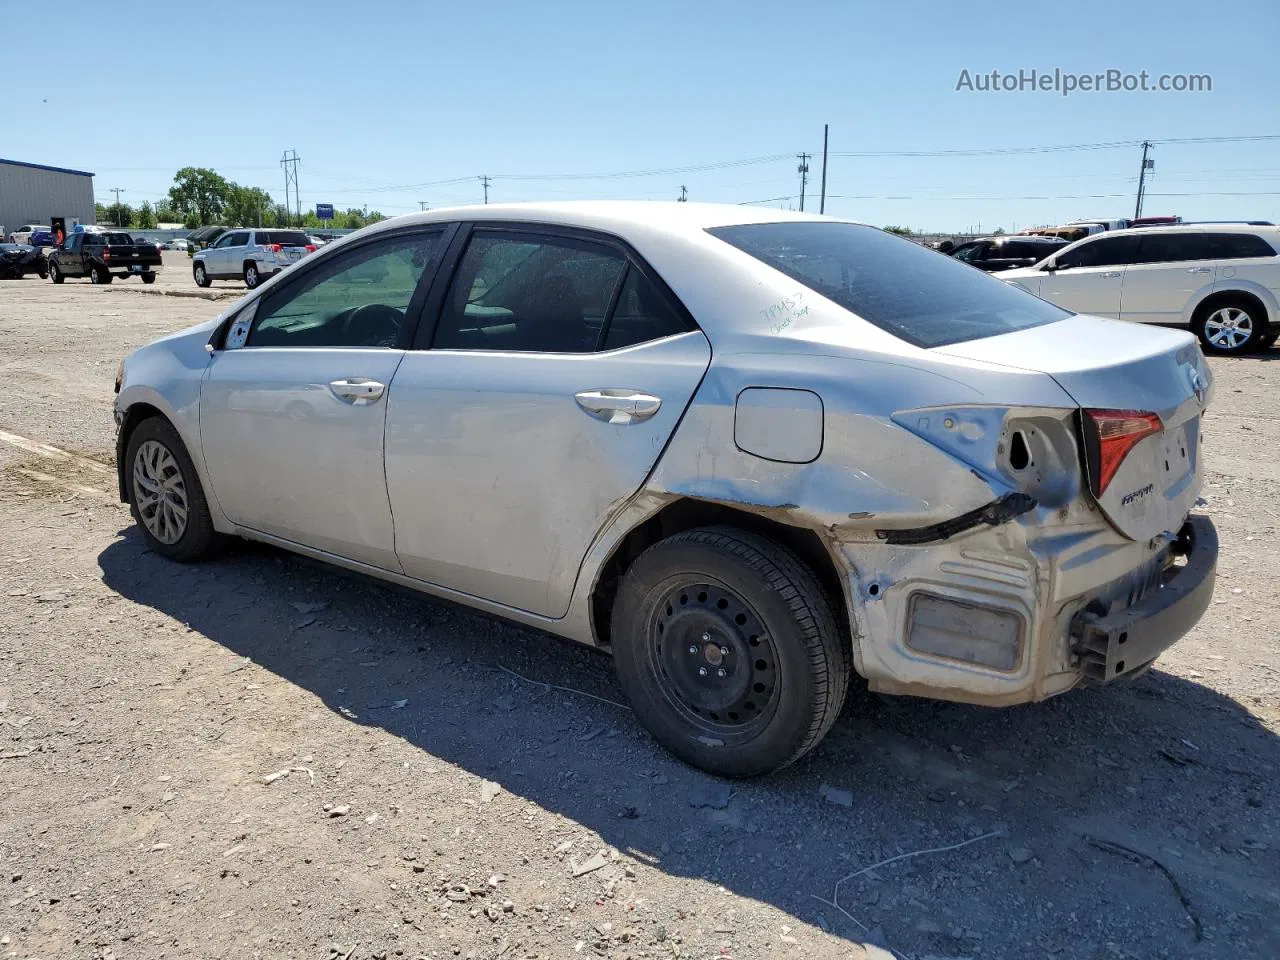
[(431, 795)]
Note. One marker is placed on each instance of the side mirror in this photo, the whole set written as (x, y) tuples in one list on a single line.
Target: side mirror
[(1052, 266)]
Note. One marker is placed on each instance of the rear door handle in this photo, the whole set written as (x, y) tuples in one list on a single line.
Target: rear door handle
[(618, 406), (1199, 270), (1113, 275), (358, 391)]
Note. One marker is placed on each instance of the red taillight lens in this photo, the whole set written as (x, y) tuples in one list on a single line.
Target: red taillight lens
[(1109, 436), (311, 248), (106, 255), (276, 247)]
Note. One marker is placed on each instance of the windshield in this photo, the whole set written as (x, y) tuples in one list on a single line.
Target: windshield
[(925, 298)]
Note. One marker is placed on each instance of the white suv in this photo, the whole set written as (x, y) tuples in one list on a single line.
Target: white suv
[(250, 255), (1222, 280)]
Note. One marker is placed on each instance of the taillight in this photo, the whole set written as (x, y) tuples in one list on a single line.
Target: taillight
[(1109, 436), (276, 247), (311, 248), (106, 254)]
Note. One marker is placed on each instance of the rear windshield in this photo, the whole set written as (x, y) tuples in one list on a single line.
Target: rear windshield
[(286, 238), (923, 297), (117, 238)]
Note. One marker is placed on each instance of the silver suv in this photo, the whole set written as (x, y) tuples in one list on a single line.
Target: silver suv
[(250, 255)]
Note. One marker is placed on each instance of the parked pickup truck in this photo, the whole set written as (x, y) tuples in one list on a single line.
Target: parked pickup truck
[(102, 256)]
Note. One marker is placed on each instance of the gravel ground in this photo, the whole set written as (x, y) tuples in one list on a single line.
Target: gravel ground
[(263, 757)]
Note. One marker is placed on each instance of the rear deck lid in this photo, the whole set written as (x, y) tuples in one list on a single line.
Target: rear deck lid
[(1110, 365)]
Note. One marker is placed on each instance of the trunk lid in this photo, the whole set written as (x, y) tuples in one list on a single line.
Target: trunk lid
[(1113, 365)]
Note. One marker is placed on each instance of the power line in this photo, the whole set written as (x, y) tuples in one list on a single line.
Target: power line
[(1056, 148)]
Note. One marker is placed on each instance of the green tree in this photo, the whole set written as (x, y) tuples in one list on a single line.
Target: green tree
[(119, 215), (998, 232), (280, 216), (145, 218), (192, 220), (247, 206), (199, 191), (99, 213), (166, 214), (900, 231)]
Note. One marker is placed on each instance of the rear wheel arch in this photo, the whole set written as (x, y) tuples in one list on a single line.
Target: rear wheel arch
[(688, 514), (1220, 297)]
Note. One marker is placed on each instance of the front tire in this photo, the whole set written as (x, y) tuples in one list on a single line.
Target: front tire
[(165, 495), (1231, 327), (728, 650), (201, 275)]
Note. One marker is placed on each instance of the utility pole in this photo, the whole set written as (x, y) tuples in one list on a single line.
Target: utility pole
[(422, 205), (117, 191), (822, 203), (1142, 178), (803, 170), (684, 194), (290, 163), (485, 180)]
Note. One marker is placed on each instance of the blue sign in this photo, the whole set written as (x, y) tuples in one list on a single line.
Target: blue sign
[(324, 211)]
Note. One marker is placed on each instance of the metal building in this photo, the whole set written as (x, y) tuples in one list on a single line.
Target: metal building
[(35, 193)]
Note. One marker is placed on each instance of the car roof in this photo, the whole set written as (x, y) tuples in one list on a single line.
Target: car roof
[(612, 215), (1229, 227)]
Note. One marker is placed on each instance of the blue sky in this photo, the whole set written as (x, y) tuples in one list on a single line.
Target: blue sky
[(384, 99)]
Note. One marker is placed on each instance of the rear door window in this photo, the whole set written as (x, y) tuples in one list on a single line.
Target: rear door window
[(898, 285), (1175, 247), (530, 293)]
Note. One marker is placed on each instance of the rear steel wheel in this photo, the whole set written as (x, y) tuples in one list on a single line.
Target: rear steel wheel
[(727, 648), (717, 661)]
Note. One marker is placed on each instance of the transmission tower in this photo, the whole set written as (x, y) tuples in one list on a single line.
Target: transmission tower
[(290, 163)]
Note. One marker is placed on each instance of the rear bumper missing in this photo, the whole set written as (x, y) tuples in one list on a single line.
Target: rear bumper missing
[(1114, 644)]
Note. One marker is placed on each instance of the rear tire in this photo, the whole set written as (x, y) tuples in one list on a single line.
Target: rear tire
[(100, 275), (728, 650), (165, 495), (201, 275), (251, 276), (1230, 326), (55, 273), (148, 278)]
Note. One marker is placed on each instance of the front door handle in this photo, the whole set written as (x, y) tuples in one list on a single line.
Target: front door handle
[(1199, 270), (618, 406), (358, 391), (1113, 275)]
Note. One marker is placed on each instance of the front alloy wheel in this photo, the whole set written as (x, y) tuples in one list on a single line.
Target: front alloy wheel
[(160, 492), (165, 494)]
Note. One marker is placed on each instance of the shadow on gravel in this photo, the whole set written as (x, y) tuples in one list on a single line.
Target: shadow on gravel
[(1137, 820)]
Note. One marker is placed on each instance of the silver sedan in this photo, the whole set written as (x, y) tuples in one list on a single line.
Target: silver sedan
[(751, 453)]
